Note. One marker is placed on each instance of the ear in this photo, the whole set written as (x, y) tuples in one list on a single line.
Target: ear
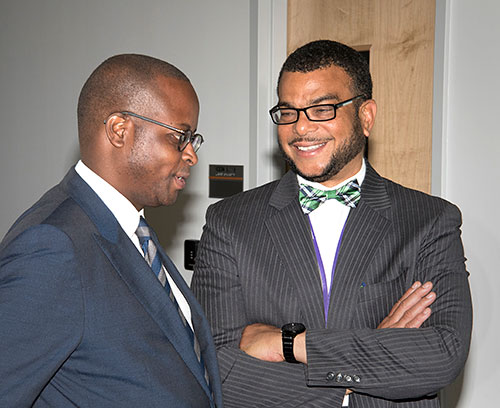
[(117, 128), (367, 113)]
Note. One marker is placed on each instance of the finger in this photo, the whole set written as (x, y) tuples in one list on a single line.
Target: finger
[(419, 319), (413, 302), (414, 316), (412, 289), (415, 313), (419, 299), (406, 303)]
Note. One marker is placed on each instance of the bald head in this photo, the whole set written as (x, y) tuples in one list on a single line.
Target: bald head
[(123, 82)]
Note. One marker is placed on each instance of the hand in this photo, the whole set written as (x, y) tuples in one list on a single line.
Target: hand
[(262, 341), (412, 309)]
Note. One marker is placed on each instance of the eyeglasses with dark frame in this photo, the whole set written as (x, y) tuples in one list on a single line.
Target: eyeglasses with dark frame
[(315, 113), (184, 137)]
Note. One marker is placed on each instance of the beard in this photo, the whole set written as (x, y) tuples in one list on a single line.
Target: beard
[(340, 158)]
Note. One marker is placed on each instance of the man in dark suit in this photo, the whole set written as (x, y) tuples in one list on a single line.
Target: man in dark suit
[(93, 313), (298, 277)]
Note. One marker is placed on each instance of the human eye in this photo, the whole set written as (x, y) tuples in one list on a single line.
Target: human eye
[(287, 113), (175, 138), (322, 111)]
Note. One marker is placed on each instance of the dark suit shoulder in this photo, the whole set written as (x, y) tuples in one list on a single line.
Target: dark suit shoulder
[(37, 213), (54, 208), (410, 200), (253, 200), (381, 192)]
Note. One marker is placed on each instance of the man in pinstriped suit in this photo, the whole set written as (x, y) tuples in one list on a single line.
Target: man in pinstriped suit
[(335, 268)]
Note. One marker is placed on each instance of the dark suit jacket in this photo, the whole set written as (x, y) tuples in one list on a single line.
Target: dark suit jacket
[(256, 263), (83, 320)]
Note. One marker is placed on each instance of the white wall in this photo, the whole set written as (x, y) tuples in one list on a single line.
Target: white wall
[(49, 47), (471, 173)]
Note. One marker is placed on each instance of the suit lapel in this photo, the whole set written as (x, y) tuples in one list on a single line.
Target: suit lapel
[(290, 232), (137, 275), (365, 229), (201, 327), (147, 289)]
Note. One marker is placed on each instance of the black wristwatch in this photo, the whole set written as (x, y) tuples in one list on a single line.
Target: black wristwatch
[(288, 333)]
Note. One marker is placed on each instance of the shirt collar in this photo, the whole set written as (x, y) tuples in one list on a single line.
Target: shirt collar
[(123, 210), (360, 176)]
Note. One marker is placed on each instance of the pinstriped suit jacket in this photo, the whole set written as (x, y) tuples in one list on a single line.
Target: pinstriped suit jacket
[(256, 263)]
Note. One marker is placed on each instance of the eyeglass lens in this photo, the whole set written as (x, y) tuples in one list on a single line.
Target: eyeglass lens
[(195, 140), (314, 113)]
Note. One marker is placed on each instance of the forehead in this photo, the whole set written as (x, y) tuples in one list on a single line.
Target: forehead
[(302, 88), (176, 102)]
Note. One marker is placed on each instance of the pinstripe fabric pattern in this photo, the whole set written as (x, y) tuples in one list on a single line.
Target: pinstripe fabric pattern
[(256, 263)]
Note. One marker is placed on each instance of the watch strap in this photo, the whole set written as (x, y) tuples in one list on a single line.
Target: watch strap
[(288, 333), (288, 339)]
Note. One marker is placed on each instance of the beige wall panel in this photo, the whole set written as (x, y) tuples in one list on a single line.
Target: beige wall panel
[(400, 37)]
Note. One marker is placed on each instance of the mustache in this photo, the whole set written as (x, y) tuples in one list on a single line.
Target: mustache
[(309, 140), (184, 172)]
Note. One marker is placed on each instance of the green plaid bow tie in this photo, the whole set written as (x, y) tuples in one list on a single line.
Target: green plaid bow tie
[(311, 198)]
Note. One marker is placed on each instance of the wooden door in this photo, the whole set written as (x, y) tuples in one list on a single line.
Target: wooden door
[(399, 35)]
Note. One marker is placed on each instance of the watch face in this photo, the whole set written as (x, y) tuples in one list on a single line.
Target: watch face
[(294, 328)]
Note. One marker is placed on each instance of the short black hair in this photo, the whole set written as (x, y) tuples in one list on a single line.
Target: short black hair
[(120, 83), (325, 53)]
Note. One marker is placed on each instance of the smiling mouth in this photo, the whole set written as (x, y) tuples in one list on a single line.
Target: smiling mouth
[(309, 148)]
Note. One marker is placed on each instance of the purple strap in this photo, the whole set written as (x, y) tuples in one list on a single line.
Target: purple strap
[(326, 289)]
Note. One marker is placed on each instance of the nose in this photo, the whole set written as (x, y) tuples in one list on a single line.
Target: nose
[(189, 155), (303, 125)]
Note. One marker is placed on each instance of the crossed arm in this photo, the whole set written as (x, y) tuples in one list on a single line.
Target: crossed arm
[(410, 311), (394, 362)]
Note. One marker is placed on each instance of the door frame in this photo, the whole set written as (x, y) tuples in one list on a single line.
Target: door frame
[(269, 42)]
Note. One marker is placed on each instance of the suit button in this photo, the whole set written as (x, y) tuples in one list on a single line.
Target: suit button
[(356, 378), (339, 377), (348, 378), (330, 376)]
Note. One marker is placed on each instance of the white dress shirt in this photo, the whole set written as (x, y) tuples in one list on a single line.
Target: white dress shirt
[(328, 221), (128, 218)]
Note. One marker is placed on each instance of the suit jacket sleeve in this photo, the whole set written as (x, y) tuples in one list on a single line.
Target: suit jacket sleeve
[(390, 363), (406, 363), (246, 381), (40, 302)]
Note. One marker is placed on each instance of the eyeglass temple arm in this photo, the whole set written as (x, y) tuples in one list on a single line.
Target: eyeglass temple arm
[(338, 105)]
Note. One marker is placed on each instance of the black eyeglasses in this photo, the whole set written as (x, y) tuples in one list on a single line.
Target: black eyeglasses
[(315, 113), (184, 137)]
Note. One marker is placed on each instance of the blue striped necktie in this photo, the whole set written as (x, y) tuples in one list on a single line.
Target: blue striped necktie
[(153, 259)]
